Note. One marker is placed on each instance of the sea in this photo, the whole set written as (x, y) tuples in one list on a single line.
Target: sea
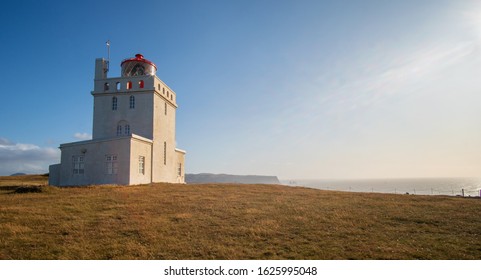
[(417, 186)]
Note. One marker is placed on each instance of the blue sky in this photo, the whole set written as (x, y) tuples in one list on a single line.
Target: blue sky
[(297, 89)]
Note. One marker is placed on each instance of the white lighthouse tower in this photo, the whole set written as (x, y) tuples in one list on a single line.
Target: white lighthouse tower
[(133, 138)]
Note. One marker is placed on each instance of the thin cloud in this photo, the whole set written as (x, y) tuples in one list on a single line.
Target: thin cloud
[(320, 109), (82, 136), (4, 141), (397, 76), (25, 158)]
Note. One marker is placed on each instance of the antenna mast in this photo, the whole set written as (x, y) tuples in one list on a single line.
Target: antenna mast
[(108, 56)]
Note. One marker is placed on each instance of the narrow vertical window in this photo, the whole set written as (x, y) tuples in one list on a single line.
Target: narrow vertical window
[(165, 108), (180, 169), (132, 102), (119, 130), (127, 129), (114, 103), (141, 84), (165, 153), (106, 86), (117, 85), (141, 165), (129, 85), (75, 164), (81, 165)]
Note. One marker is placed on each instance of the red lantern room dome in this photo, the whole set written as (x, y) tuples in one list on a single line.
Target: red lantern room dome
[(137, 66)]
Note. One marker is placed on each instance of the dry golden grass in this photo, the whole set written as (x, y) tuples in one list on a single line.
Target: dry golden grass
[(229, 221)]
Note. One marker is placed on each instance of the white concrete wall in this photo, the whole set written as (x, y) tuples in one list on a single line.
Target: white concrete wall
[(54, 174), (164, 131), (180, 159), (127, 150), (140, 118), (100, 68), (140, 148), (99, 84), (95, 170)]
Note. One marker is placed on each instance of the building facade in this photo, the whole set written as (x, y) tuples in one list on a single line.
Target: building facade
[(133, 138)]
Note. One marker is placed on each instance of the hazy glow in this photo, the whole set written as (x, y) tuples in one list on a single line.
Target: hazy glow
[(297, 89)]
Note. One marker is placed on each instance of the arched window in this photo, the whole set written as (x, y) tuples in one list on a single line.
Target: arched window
[(117, 85), (119, 130), (141, 84), (114, 103), (132, 102), (129, 84), (106, 86), (127, 129)]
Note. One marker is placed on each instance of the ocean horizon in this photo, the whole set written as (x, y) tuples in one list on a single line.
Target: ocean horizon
[(453, 186)]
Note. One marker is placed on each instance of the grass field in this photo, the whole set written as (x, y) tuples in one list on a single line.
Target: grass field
[(229, 221)]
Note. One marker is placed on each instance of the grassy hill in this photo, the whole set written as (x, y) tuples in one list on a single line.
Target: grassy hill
[(228, 221)]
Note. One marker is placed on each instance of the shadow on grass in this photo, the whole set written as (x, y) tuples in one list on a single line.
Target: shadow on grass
[(24, 189), (29, 189), (8, 188)]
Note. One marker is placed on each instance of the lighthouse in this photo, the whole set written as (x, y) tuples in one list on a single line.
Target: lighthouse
[(133, 136)]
